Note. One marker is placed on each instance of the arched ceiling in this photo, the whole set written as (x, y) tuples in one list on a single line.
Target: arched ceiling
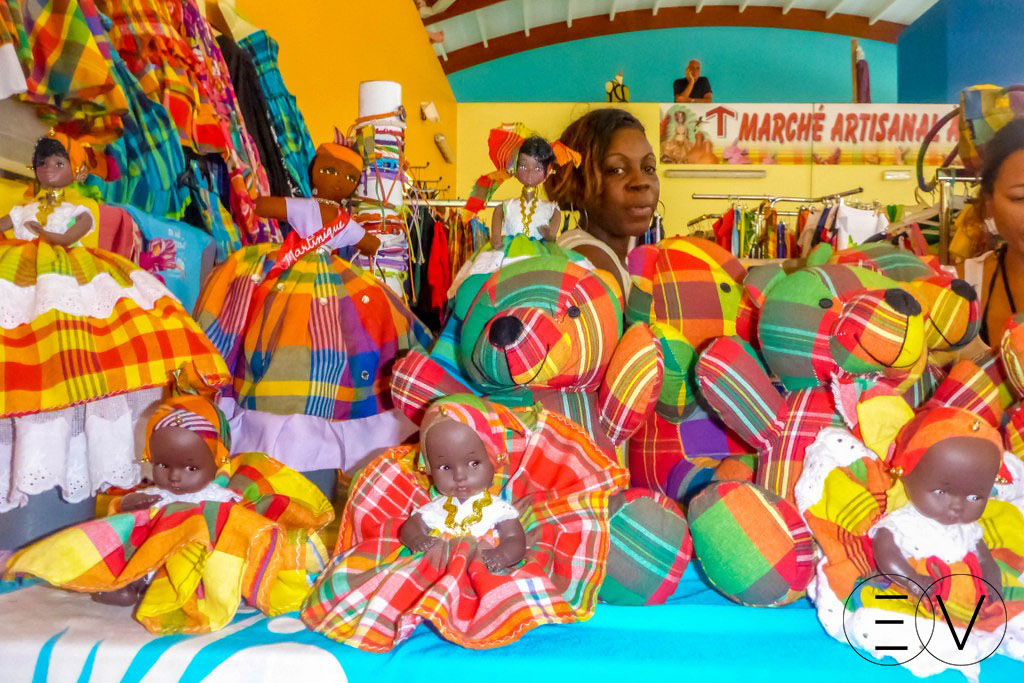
[(477, 31)]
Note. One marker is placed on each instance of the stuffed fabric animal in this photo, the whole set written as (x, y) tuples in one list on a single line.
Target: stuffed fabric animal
[(548, 330), (821, 321), (689, 291)]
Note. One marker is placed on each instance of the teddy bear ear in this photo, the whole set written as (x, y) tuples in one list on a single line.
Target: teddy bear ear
[(971, 387), (875, 414), (760, 279), (820, 255)]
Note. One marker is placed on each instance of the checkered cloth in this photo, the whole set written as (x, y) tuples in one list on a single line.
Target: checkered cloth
[(323, 341), (207, 556), (376, 591), (66, 55), (752, 545), (286, 119), (59, 359)]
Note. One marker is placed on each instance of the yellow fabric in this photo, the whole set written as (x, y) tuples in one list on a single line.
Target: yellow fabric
[(880, 419)]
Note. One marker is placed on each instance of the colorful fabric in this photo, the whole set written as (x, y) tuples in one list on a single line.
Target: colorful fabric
[(938, 424), (376, 591), (321, 342), (55, 357), (207, 556), (199, 415), (984, 109), (285, 118), (752, 545), (650, 549)]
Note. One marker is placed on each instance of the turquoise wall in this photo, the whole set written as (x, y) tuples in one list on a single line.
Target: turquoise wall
[(743, 64)]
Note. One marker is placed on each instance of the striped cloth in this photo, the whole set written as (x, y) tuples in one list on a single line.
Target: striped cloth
[(323, 341), (207, 556), (286, 119), (376, 592), (59, 359)]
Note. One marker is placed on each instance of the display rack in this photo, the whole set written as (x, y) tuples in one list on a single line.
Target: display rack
[(946, 179)]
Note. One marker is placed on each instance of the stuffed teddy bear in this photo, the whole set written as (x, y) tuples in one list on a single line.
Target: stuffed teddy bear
[(548, 330), (690, 287), (815, 323)]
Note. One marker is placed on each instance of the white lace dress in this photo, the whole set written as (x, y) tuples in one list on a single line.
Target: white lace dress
[(512, 223)]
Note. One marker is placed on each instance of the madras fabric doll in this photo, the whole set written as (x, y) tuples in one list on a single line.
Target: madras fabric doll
[(904, 505), (212, 531), (87, 342), (309, 337), (548, 330), (689, 291), (817, 322), (479, 595)]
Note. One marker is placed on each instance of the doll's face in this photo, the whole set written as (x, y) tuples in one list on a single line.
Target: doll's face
[(55, 172), (333, 178), (952, 482), (182, 463), (459, 465), (629, 186), (530, 172)]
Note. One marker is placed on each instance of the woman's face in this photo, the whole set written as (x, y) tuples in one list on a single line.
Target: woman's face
[(1006, 203), (629, 186)]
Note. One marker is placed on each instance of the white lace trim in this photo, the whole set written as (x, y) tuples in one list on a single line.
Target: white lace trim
[(921, 537), (96, 299), (833, 447), (81, 449), (212, 492)]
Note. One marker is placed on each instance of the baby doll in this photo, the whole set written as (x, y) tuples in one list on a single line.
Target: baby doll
[(462, 472), (948, 460), (51, 217), (528, 214)]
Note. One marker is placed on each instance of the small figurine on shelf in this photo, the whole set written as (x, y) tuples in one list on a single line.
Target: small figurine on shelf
[(87, 342), (528, 214), (159, 548), (461, 471)]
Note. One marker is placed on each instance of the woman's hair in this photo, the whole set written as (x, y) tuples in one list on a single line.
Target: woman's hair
[(590, 135), (538, 148), (46, 148), (1009, 139)]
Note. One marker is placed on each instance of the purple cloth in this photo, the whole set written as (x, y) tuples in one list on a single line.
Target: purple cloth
[(863, 81), (304, 217)]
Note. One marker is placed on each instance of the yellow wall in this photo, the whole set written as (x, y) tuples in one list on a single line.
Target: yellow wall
[(549, 119), (327, 47)]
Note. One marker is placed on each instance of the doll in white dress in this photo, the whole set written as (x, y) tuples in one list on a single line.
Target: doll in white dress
[(528, 214)]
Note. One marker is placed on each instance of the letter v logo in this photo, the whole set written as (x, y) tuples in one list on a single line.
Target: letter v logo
[(945, 615)]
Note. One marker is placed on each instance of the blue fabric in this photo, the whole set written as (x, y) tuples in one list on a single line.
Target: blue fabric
[(697, 634), (190, 243)]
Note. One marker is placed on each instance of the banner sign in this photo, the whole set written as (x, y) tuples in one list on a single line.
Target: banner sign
[(888, 134)]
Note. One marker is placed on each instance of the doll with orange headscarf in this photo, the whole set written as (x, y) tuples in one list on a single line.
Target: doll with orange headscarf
[(87, 340), (309, 337), (211, 531)]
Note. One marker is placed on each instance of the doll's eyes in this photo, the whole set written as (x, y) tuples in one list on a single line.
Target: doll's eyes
[(973, 498), (353, 179), (161, 466), (193, 468), (444, 468), (474, 463), (939, 492), (327, 170)]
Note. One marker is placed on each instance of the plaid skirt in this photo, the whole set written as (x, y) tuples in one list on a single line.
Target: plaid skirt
[(80, 324), (319, 339)]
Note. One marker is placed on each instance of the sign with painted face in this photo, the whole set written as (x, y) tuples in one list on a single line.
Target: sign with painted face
[(885, 134)]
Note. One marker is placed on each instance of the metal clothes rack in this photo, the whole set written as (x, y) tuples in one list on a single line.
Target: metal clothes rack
[(412, 201), (773, 200), (946, 179)]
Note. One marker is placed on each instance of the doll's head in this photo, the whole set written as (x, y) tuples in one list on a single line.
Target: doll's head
[(187, 443), (52, 164), (462, 441), (335, 172), (615, 186), (948, 460), (536, 159)]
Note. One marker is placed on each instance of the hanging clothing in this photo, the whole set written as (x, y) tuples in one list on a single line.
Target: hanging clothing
[(290, 128)]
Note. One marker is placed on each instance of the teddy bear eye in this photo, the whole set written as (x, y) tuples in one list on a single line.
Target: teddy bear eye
[(725, 287), (573, 311), (825, 303)]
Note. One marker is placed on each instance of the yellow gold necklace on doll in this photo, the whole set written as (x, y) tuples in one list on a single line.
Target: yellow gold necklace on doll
[(463, 527), (527, 217), (51, 199)]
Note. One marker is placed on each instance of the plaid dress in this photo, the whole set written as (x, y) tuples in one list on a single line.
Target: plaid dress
[(376, 592), (322, 340)]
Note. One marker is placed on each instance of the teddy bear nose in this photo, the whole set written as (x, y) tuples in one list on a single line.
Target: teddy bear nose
[(505, 331), (964, 289), (902, 302)]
